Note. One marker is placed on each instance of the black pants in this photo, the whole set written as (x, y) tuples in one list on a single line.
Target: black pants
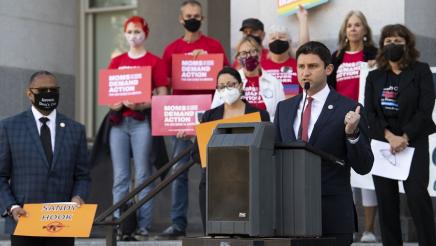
[(418, 199), (41, 241), (202, 198)]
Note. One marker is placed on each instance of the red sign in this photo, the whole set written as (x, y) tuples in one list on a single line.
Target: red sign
[(196, 73), (117, 85), (171, 114)]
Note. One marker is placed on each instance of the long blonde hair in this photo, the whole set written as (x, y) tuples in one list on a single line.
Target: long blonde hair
[(342, 39)]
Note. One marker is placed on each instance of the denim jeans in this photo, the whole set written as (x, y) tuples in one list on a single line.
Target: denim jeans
[(179, 187), (131, 137)]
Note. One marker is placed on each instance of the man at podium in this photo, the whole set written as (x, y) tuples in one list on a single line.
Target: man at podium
[(331, 123)]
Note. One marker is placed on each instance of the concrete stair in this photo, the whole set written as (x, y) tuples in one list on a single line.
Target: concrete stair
[(101, 242)]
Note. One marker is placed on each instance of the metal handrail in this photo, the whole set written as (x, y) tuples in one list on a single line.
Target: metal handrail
[(100, 220), (108, 212)]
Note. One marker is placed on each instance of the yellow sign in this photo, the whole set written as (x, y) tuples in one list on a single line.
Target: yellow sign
[(205, 130), (65, 219), (289, 7)]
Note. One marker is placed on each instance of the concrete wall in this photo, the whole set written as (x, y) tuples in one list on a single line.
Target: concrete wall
[(37, 35), (420, 18)]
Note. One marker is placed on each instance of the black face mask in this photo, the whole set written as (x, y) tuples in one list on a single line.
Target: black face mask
[(46, 101), (279, 46), (192, 25), (393, 52), (257, 38)]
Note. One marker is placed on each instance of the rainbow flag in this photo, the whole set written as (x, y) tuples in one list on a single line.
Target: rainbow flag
[(289, 7)]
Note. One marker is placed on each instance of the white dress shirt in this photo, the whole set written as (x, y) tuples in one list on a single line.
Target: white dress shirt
[(51, 123), (317, 104)]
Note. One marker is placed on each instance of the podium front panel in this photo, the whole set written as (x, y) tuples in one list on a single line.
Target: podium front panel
[(228, 184)]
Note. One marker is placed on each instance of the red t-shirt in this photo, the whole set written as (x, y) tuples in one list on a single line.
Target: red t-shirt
[(158, 70), (348, 74), (285, 72), (263, 56), (252, 93), (180, 46)]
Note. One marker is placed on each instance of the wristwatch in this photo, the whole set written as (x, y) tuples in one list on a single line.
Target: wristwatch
[(354, 135)]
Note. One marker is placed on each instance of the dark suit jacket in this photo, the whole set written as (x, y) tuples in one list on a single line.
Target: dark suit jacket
[(25, 176), (416, 97), (329, 135)]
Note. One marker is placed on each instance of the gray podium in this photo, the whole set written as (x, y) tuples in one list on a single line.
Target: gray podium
[(257, 189)]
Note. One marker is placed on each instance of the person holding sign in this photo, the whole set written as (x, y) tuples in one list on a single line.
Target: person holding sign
[(400, 97), (192, 43), (334, 124), (130, 131), (280, 61), (355, 46), (261, 90), (43, 158), (229, 90)]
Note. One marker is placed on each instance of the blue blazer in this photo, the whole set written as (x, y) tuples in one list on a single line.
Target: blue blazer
[(25, 174), (338, 214)]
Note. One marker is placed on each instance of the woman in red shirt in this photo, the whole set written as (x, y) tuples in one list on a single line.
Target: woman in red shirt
[(355, 46), (131, 128)]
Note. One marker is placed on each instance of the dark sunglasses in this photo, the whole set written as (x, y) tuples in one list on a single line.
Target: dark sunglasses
[(46, 89)]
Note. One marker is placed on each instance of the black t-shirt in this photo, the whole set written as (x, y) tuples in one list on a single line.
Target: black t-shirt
[(389, 102)]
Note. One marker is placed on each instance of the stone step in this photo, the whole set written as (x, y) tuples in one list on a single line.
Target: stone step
[(101, 242)]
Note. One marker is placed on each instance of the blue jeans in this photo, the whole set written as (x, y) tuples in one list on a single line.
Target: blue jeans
[(131, 137), (179, 187)]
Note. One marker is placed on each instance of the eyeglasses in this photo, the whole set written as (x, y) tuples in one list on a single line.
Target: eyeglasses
[(245, 54), (46, 89), (230, 84)]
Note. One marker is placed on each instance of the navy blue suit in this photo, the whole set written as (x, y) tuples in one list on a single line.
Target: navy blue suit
[(25, 174), (329, 136)]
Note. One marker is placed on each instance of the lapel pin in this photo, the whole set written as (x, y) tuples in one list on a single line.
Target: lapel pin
[(62, 124), (330, 106)]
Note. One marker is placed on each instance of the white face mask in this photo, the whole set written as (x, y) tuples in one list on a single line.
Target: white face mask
[(135, 39), (229, 95)]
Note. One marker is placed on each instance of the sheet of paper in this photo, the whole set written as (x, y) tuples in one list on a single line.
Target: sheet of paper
[(388, 165)]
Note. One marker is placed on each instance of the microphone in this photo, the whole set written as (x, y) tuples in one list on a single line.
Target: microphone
[(300, 129)]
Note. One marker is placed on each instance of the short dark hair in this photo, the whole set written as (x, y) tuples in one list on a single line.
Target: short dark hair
[(316, 48), (190, 2), (40, 73), (231, 71), (410, 55)]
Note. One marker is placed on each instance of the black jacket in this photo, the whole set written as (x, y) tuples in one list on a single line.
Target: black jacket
[(369, 53), (416, 97)]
